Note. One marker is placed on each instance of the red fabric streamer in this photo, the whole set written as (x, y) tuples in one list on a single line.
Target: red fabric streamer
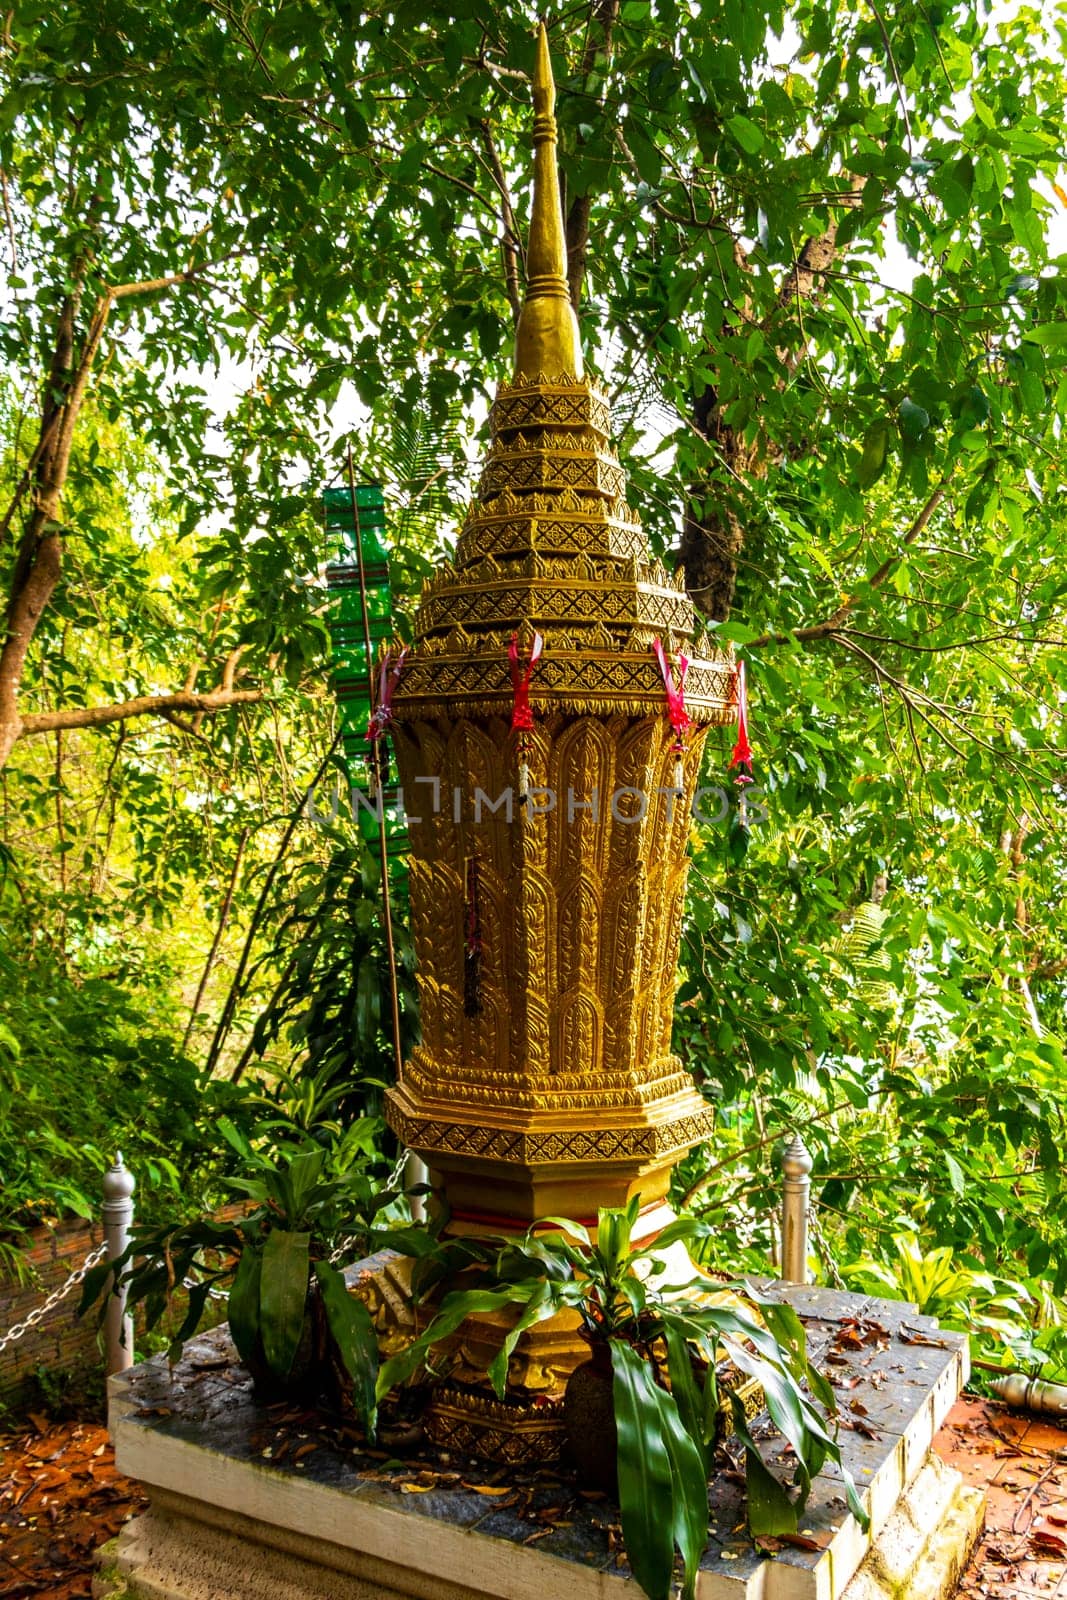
[(676, 712), (382, 714), (521, 710), (742, 756)]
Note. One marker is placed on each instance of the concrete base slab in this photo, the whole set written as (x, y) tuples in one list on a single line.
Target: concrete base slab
[(173, 1553), (242, 1506)]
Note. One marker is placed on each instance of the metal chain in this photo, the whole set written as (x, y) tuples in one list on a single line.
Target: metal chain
[(213, 1293), (344, 1245), (823, 1250), (41, 1311)]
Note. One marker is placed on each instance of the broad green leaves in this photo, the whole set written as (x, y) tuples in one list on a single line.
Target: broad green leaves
[(283, 1297), (652, 1459), (354, 1338)]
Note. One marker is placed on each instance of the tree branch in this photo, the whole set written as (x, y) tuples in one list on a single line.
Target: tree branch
[(833, 624), (600, 26), (509, 237), (147, 705)]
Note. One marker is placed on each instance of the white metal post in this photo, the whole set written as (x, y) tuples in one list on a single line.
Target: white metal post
[(416, 1171), (796, 1191), (119, 1185)]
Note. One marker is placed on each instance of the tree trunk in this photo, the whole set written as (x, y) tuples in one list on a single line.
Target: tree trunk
[(600, 26), (38, 564), (713, 535)]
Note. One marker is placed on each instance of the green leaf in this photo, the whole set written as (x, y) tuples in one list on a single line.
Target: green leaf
[(233, 1136), (542, 1304), (455, 1309), (874, 456), (686, 1229), (746, 133), (770, 1510), (242, 1307), (646, 1477), (686, 1392), (352, 1331), (914, 420), (283, 1297), (1051, 336), (304, 1172), (689, 1481), (198, 1298)]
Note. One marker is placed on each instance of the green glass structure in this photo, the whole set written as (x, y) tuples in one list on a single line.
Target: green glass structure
[(350, 670)]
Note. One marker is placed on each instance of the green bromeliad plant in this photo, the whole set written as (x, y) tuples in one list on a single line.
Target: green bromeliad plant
[(665, 1343)]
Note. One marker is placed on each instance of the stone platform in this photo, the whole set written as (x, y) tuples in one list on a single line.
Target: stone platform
[(249, 1499)]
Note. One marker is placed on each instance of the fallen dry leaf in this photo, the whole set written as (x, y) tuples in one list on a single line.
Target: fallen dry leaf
[(1049, 1536)]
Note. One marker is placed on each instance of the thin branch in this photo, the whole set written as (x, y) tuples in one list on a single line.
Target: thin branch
[(148, 705), (123, 291), (832, 624), (509, 238), (236, 986), (10, 220), (891, 58), (220, 929)]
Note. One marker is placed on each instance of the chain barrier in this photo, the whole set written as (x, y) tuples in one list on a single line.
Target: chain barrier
[(822, 1249), (40, 1312), (212, 1294), (392, 1182)]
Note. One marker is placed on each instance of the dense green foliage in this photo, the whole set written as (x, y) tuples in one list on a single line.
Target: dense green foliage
[(825, 281)]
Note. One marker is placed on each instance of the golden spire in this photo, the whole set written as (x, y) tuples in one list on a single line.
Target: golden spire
[(546, 339)]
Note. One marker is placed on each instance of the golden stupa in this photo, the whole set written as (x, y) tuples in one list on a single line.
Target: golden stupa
[(550, 1089)]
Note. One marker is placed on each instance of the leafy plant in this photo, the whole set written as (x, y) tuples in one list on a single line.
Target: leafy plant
[(666, 1343), (291, 1316), (944, 1288)]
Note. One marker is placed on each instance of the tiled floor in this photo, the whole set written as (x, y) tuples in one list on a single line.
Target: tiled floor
[(1021, 1463)]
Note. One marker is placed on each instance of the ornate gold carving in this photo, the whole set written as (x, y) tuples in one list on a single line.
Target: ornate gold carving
[(562, 1091), (519, 405), (472, 1422), (593, 1144), (573, 680)]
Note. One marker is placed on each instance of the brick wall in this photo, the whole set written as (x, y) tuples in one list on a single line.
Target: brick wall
[(59, 1342)]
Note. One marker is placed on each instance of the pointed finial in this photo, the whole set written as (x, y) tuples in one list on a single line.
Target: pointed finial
[(546, 339), (544, 85)]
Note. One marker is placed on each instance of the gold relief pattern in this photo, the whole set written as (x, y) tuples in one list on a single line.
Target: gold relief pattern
[(546, 1089), (568, 1064), (467, 1422), (502, 536), (593, 474), (550, 402), (593, 681), (519, 1147), (542, 604)]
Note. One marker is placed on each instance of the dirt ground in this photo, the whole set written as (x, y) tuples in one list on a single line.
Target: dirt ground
[(60, 1497), (1021, 1463)]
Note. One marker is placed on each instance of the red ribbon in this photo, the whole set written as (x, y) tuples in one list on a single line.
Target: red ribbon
[(742, 756), (382, 714), (676, 712), (521, 710)]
